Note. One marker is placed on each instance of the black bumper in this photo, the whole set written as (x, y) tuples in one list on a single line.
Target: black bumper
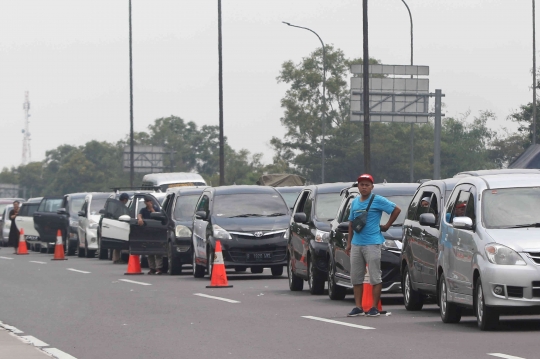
[(390, 268), (319, 253), (254, 252)]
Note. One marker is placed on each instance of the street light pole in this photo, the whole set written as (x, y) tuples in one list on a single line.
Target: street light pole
[(131, 144), (411, 176), (367, 140), (324, 94), (221, 137), (534, 77)]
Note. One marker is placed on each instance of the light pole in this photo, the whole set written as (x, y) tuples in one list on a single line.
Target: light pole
[(324, 93), (131, 152), (221, 136), (534, 77), (411, 177)]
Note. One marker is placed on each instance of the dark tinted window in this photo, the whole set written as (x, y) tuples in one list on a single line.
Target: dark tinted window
[(326, 205), (185, 207), (203, 204), (114, 209), (23, 211), (347, 211), (412, 208), (50, 205), (249, 205), (450, 205), (32, 208)]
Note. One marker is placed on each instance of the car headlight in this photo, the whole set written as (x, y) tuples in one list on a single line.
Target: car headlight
[(220, 233), (286, 234), (321, 236), (93, 226), (390, 244), (73, 223), (182, 231), (499, 254)]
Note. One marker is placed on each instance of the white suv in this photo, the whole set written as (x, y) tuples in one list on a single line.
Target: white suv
[(89, 217)]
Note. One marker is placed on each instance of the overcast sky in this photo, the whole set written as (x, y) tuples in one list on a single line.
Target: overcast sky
[(72, 56)]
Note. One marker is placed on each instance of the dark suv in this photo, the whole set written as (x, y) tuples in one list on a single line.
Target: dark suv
[(339, 262), (249, 221), (308, 233)]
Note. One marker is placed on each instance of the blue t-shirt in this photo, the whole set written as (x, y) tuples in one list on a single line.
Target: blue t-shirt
[(371, 233)]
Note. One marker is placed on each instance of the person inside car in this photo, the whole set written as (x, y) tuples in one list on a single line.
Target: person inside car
[(155, 262)]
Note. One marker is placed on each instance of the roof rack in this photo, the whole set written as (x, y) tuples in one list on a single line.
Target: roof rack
[(150, 188)]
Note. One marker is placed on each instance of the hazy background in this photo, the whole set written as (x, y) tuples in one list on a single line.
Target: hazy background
[(72, 56)]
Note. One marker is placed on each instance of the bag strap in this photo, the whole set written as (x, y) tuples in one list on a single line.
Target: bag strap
[(370, 202)]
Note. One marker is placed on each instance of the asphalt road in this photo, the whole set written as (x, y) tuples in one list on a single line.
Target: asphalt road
[(83, 307)]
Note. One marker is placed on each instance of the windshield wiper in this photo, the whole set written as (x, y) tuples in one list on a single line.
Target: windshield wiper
[(537, 225), (247, 215), (276, 214)]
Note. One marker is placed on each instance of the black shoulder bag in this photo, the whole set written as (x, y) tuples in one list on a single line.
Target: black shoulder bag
[(359, 222)]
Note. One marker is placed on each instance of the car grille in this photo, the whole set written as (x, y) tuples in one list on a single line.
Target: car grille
[(514, 292), (536, 288), (241, 256), (184, 247), (535, 256), (250, 236)]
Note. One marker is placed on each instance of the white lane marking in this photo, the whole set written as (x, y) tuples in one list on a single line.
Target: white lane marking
[(38, 262), (218, 298), (336, 322), (505, 356), (58, 353), (78, 271), (134, 282), (34, 341), (6, 258), (11, 328)]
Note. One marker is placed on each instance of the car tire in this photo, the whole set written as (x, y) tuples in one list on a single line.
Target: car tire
[(175, 266), (296, 283), (256, 270), (316, 284), (70, 249), (240, 269), (144, 261), (277, 271), (81, 252), (198, 270), (450, 312), (335, 291), (487, 318), (412, 299), (209, 261), (90, 253)]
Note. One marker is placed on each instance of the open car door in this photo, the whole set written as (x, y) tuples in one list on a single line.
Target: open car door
[(150, 238), (115, 233), (47, 221)]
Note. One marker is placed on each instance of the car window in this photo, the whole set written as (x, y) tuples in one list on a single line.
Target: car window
[(32, 208), (422, 207), (450, 205), (308, 206), (50, 205), (511, 207), (301, 201), (249, 205), (23, 211), (203, 204), (96, 204), (75, 205), (347, 211), (290, 198), (401, 202), (326, 206), (460, 207), (413, 206), (114, 209), (185, 207)]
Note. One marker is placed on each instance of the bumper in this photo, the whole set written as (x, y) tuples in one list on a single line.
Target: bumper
[(391, 276), (181, 250), (254, 252), (91, 238)]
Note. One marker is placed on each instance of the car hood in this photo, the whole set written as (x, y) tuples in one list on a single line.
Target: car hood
[(250, 224), (322, 226), (519, 239), (393, 233)]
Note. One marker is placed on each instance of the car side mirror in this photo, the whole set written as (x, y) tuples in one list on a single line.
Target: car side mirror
[(463, 223), (343, 227), (102, 211), (428, 219), (124, 218), (81, 213), (61, 211), (300, 217), (200, 215), (158, 216)]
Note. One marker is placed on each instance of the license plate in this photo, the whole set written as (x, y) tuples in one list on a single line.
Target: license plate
[(31, 238), (259, 256)]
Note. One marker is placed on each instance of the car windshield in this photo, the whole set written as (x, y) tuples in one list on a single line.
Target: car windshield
[(403, 203), (185, 207), (511, 207), (249, 205), (75, 205), (96, 204), (290, 197), (326, 205)]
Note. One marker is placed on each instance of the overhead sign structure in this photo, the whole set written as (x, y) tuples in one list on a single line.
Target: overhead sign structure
[(147, 159), (392, 99)]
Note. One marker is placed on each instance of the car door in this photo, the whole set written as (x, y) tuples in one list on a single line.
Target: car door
[(112, 229), (298, 232), (151, 237), (83, 221), (411, 239), (429, 237), (25, 221), (46, 221), (200, 228), (341, 258)]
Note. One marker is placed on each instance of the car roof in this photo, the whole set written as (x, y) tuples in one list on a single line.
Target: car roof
[(234, 189), (390, 189), (77, 194), (165, 178), (509, 181), (289, 189), (499, 171), (336, 187), (34, 200), (186, 190)]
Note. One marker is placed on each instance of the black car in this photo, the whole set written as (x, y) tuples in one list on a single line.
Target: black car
[(339, 261), (48, 219), (308, 233), (290, 194), (249, 221)]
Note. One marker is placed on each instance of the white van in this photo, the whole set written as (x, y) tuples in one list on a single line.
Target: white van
[(173, 179)]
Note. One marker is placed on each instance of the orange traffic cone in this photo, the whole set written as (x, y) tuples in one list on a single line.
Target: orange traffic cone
[(367, 295), (134, 265), (23, 249), (219, 277), (59, 248)]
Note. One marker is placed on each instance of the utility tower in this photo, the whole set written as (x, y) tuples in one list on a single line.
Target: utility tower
[(26, 151)]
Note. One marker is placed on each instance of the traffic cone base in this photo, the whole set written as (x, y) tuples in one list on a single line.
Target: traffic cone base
[(367, 296), (59, 248), (218, 275), (23, 249), (134, 265)]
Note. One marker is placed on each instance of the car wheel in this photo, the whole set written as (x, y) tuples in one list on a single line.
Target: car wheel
[(316, 284), (335, 291), (277, 271), (43, 248), (256, 270), (70, 249), (450, 312), (209, 262), (412, 299), (90, 253), (198, 270), (487, 318), (81, 252), (175, 267), (295, 283), (102, 253)]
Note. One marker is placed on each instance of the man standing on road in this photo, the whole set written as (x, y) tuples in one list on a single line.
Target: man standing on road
[(155, 262), (117, 253), (364, 247)]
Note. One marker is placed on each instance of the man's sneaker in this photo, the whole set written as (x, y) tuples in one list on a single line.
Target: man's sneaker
[(373, 312), (152, 271), (356, 312)]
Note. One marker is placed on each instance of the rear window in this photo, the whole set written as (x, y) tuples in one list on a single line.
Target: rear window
[(185, 207), (50, 205), (250, 205)]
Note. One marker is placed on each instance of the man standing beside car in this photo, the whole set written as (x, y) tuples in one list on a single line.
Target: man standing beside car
[(155, 262), (364, 247)]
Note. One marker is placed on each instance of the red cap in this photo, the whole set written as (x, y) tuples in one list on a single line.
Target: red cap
[(461, 205), (365, 176)]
